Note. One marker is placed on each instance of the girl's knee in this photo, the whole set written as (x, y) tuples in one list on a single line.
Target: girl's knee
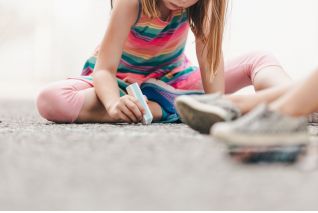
[(52, 104), (46, 102), (262, 58)]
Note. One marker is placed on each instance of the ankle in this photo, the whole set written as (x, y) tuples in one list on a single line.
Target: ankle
[(240, 102), (288, 110), (155, 110)]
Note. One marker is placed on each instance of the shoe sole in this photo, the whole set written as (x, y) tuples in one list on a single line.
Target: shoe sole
[(262, 140), (198, 116)]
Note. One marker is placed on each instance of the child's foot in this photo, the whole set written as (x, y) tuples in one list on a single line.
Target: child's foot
[(164, 94), (201, 112), (263, 127)]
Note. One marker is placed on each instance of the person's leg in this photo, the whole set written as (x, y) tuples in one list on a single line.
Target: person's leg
[(258, 69), (201, 113), (248, 102), (183, 80), (283, 122), (72, 101), (94, 111), (261, 70), (301, 101), (60, 101)]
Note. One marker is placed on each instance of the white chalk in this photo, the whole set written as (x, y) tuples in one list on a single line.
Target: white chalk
[(134, 90)]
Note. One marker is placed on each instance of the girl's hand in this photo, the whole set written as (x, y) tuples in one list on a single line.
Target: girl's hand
[(126, 109)]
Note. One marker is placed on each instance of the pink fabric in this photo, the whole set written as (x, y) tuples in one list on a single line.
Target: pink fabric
[(62, 101), (241, 71)]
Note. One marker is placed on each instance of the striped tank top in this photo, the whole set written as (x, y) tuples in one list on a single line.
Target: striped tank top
[(155, 49)]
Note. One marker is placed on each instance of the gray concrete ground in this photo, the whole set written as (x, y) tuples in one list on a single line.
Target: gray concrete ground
[(44, 166)]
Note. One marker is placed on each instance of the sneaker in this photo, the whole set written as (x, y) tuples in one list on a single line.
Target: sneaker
[(263, 127), (164, 94), (201, 112), (313, 118)]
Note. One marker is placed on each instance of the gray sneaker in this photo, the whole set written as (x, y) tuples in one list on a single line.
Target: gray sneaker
[(263, 127), (201, 112), (313, 118)]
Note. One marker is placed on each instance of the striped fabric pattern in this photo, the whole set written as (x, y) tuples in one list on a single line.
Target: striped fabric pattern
[(154, 49)]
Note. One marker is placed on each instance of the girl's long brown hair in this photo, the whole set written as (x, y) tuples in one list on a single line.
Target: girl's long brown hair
[(207, 21)]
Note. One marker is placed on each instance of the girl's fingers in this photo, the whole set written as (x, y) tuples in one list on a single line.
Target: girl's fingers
[(124, 118), (138, 104), (125, 109), (134, 109)]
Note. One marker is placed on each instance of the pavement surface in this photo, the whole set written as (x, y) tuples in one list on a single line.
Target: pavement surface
[(44, 166)]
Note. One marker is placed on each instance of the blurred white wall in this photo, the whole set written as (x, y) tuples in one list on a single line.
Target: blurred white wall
[(287, 28), (48, 40)]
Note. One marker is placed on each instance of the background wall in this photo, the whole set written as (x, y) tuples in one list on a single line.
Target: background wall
[(46, 40)]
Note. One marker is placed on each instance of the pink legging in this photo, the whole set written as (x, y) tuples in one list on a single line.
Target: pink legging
[(62, 101)]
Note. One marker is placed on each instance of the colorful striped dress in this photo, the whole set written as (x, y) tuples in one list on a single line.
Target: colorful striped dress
[(155, 50)]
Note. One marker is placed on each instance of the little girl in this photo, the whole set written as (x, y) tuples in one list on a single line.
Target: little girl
[(145, 43)]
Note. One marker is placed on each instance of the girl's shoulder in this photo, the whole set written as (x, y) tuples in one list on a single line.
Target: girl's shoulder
[(128, 8)]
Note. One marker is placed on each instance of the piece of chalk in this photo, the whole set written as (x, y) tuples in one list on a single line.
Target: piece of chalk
[(134, 90)]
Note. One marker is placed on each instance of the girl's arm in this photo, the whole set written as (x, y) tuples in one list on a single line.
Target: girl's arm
[(127, 108), (210, 84)]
